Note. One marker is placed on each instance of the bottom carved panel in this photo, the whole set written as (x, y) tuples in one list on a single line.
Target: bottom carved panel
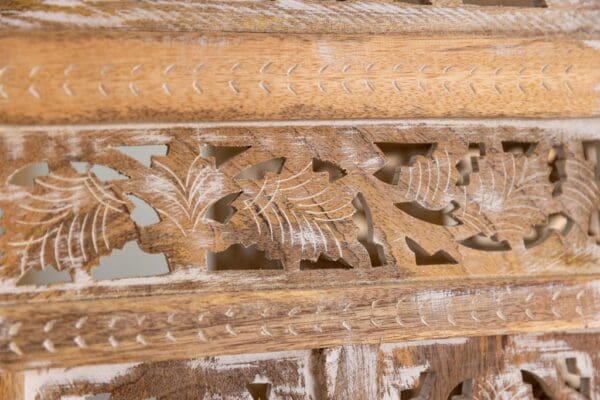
[(534, 366)]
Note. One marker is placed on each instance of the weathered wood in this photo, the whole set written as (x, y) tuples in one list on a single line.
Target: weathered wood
[(320, 205), (557, 366), (12, 386), (159, 327), (90, 77), (573, 17)]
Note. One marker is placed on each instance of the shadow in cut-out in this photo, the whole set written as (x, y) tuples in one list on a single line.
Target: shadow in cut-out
[(143, 154), (462, 391), (26, 175), (239, 257), (259, 391), (258, 171), (484, 243), (130, 262), (221, 210), (363, 220), (48, 276), (422, 257), (143, 214), (400, 155), (558, 222), (335, 171), (539, 389), (423, 388), (324, 262), (442, 217), (221, 154)]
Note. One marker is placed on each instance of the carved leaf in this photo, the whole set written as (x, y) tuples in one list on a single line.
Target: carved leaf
[(66, 220)]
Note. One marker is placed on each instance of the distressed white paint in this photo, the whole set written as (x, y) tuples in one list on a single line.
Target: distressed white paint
[(35, 380)]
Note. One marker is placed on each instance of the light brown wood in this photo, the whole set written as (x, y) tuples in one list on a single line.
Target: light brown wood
[(159, 327), (488, 201), (91, 77), (237, 199), (572, 17), (12, 385), (557, 366)]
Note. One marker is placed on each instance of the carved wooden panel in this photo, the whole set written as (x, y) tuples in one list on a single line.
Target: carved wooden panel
[(559, 366), (359, 202), (299, 199)]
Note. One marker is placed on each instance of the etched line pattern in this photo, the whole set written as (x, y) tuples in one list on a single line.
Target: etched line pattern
[(415, 312), (552, 78)]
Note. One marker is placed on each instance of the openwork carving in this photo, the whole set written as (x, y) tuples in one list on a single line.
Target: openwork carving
[(383, 200), (515, 367)]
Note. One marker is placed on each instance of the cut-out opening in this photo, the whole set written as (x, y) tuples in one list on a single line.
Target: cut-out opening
[(363, 220), (525, 148), (572, 377), (144, 153), (258, 171), (335, 171), (130, 262), (539, 388), (462, 391), (239, 257), (423, 388), (324, 262), (469, 163), (26, 175), (508, 3), (591, 151), (221, 154), (143, 214), (422, 257), (484, 243), (558, 173), (594, 225), (442, 217), (400, 155), (47, 276), (259, 391), (221, 210), (102, 172), (558, 222)]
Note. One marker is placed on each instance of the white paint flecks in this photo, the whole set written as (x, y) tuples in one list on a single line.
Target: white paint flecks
[(35, 380)]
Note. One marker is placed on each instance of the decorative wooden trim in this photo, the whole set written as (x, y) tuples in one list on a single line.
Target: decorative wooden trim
[(557, 366), (89, 77), (486, 201), (12, 385), (571, 17), (166, 327)]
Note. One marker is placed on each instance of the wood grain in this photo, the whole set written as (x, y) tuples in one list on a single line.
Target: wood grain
[(54, 78), (572, 17), (444, 201), (12, 385), (164, 327), (560, 366)]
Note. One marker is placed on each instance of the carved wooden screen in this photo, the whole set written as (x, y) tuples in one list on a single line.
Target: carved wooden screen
[(300, 199)]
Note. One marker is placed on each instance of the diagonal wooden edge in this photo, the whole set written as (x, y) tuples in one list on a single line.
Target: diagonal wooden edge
[(302, 16), (159, 327), (85, 77)]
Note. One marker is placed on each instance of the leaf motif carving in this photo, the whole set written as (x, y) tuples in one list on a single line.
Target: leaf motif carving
[(66, 220)]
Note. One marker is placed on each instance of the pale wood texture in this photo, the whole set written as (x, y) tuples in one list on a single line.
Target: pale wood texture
[(91, 77), (557, 366), (400, 201), (291, 216), (573, 17), (173, 326)]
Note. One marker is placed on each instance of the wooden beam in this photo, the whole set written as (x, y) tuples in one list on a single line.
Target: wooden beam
[(89, 77), (160, 327)]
